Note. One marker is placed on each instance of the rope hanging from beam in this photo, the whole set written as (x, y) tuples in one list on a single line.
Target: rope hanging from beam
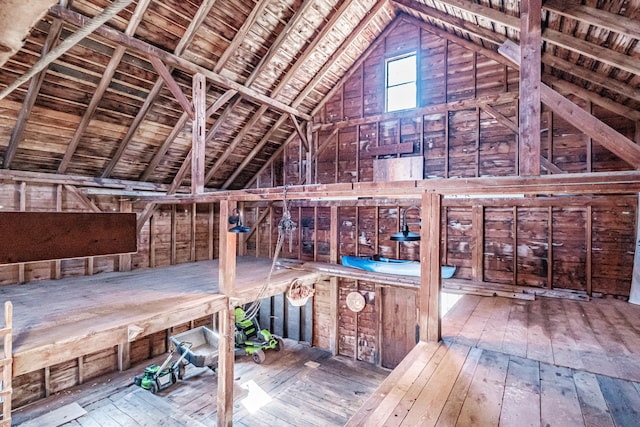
[(286, 226), (109, 12)]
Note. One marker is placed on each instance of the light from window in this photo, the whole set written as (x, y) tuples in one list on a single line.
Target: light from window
[(401, 83)]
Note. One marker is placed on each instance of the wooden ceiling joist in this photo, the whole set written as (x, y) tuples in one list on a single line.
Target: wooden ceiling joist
[(608, 56), (186, 39), (607, 103), (32, 93), (79, 181), (241, 34), (257, 10), (608, 137), (87, 27), (105, 81), (255, 118), (588, 75), (596, 17), (274, 93), (260, 67), (458, 23), (168, 58), (375, 10)]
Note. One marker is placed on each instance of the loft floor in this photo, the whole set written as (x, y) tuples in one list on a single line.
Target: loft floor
[(58, 320)]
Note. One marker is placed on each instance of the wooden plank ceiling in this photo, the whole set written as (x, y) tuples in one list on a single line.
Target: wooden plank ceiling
[(102, 108)]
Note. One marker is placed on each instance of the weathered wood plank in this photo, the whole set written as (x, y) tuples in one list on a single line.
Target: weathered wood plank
[(592, 402), (559, 404), (521, 401)]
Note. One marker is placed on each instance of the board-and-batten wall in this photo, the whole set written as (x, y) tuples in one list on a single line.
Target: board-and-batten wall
[(465, 126)]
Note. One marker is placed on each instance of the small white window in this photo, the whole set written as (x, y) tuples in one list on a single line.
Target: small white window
[(401, 83)]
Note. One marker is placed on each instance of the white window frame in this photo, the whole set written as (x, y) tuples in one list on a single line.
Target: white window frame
[(413, 83)]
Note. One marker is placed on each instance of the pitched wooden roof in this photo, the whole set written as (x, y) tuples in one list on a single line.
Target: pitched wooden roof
[(102, 109)]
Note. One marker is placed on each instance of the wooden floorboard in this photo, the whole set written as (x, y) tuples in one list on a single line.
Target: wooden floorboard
[(507, 362), (326, 394)]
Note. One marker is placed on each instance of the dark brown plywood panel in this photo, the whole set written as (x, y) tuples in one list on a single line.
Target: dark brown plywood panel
[(39, 236)]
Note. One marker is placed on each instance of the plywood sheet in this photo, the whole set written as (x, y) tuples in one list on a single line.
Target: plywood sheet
[(397, 169), (40, 236)]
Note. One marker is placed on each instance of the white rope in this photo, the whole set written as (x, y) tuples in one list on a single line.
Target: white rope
[(108, 13)]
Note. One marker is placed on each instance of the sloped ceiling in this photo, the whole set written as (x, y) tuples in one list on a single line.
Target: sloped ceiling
[(102, 109)]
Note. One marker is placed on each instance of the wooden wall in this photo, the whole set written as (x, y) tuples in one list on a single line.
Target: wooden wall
[(175, 234), (33, 386), (466, 125)]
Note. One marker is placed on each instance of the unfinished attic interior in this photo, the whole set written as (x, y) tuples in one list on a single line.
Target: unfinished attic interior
[(491, 146)]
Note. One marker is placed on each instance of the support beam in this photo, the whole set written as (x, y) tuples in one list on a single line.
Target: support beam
[(241, 34), (148, 50), (606, 103), (530, 72), (87, 27), (477, 243), (588, 75), (334, 294), (105, 81), (32, 93), (301, 134), (227, 277), (608, 137), (197, 20), (80, 181), (430, 271), (165, 74), (198, 134)]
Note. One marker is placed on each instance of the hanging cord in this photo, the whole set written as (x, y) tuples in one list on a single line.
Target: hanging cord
[(285, 226)]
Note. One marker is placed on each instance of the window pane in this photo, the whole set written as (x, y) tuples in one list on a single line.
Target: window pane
[(401, 71), (401, 97)]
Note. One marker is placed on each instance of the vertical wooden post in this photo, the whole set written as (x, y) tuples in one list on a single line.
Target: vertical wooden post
[(514, 231), (194, 221), (430, 269), (174, 235), (589, 238), (23, 208), (227, 279), (477, 159), (310, 141), (211, 246), (530, 72), (477, 243), (7, 361), (634, 296), (590, 143), (550, 249), (241, 237), (124, 260), (124, 356), (56, 266), (334, 233), (199, 87), (152, 242)]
